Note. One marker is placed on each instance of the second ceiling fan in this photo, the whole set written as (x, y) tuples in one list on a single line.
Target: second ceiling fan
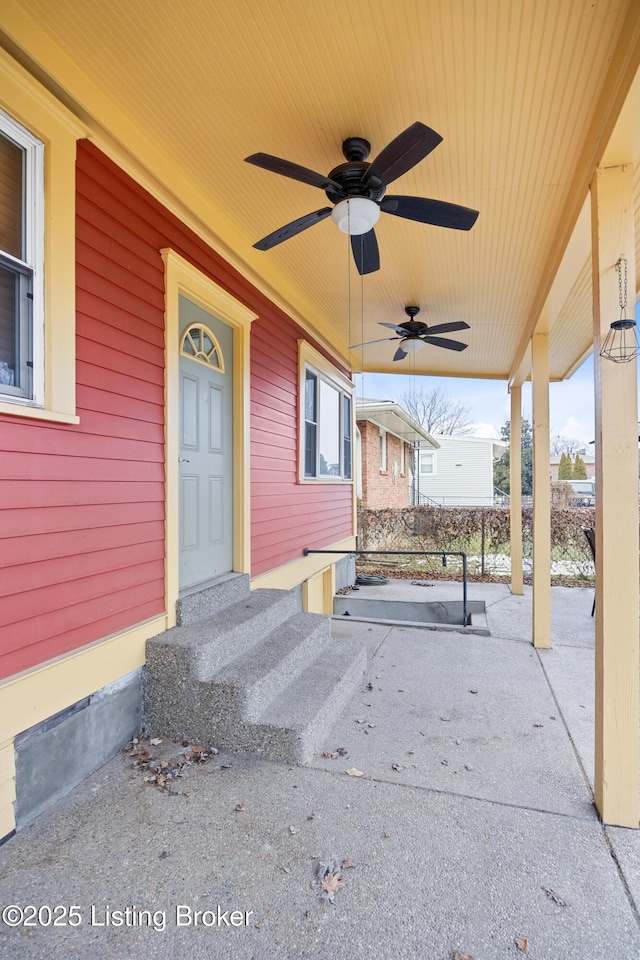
[(357, 190), (413, 334)]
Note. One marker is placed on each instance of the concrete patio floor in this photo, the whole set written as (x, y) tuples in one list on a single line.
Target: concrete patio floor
[(471, 828)]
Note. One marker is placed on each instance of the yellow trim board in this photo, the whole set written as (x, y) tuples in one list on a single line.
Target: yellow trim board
[(292, 574), (182, 278), (42, 115), (32, 696)]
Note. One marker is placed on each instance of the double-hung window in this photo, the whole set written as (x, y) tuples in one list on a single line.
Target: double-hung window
[(21, 260), (326, 421), (38, 138)]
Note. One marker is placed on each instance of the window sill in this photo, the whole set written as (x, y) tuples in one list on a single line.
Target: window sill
[(330, 480), (36, 413)]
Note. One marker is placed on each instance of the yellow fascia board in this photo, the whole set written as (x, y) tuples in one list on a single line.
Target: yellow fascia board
[(31, 105), (292, 574)]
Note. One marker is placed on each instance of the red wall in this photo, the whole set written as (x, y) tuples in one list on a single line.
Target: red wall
[(285, 515), (82, 522)]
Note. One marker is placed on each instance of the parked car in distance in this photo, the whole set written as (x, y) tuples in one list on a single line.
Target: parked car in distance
[(582, 493)]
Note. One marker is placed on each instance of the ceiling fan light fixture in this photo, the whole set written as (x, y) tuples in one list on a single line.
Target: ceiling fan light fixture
[(412, 345), (356, 215)]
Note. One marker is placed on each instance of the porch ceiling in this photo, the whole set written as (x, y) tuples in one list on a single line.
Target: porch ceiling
[(525, 95)]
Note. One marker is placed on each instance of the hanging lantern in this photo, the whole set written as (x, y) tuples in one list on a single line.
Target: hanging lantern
[(621, 342)]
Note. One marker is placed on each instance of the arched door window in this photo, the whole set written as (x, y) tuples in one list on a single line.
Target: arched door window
[(199, 343)]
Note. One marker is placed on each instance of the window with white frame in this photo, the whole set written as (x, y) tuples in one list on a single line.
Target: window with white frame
[(326, 422), (383, 449), (21, 261), (427, 463)]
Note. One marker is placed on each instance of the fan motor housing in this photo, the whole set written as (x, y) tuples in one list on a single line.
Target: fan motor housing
[(349, 175)]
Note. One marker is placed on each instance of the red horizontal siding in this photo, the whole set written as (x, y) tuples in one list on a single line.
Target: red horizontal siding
[(286, 515), (83, 538)]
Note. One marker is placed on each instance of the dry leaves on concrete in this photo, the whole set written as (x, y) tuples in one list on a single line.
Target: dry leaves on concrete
[(162, 771), (456, 955), (522, 943), (353, 772), (330, 876)]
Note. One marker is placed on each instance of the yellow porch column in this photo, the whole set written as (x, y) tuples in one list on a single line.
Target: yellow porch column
[(541, 492), (617, 693), (515, 489)]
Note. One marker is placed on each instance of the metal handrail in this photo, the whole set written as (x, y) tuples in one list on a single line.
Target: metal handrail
[(413, 553)]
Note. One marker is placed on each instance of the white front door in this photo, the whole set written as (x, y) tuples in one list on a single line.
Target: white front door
[(206, 446)]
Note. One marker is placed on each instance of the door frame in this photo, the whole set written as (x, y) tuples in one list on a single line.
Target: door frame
[(181, 277)]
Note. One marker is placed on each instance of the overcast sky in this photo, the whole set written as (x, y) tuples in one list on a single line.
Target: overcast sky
[(571, 402)]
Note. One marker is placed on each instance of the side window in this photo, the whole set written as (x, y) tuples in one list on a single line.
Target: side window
[(326, 413), (427, 464), (21, 261), (383, 450)]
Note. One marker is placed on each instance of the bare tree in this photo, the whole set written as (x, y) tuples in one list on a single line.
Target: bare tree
[(436, 411), (561, 444)]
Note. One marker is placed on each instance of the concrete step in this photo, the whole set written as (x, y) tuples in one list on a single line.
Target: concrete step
[(203, 647), (294, 725), (201, 604), (246, 685)]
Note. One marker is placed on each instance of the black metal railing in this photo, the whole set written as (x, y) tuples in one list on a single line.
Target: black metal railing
[(412, 553)]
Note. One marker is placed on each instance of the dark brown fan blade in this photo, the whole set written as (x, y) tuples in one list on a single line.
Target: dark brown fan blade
[(399, 354), (408, 148), (369, 342), (444, 342), (437, 212), (287, 169), (291, 229), (365, 252), (392, 326), (448, 327)]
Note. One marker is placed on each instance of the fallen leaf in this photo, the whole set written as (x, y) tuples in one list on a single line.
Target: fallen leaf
[(360, 721), (372, 725), (331, 884), (239, 807), (522, 944), (355, 773), (342, 751), (198, 749), (554, 896), (155, 741), (456, 955), (294, 830), (386, 835), (446, 719), (538, 724), (329, 755), (397, 766), (348, 864), (311, 816)]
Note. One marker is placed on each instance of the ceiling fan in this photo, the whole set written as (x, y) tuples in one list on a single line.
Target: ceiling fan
[(357, 190), (413, 334)]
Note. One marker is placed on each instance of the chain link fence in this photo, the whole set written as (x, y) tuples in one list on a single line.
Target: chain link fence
[(483, 533)]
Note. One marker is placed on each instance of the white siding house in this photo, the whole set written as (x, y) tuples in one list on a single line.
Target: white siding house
[(459, 473)]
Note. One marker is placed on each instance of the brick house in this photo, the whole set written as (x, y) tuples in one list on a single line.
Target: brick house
[(385, 444)]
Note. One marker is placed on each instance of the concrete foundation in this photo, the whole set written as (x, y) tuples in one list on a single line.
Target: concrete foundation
[(55, 755)]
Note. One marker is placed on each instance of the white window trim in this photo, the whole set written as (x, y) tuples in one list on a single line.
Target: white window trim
[(403, 458), (309, 357), (434, 461), (34, 251), (383, 450), (30, 106)]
